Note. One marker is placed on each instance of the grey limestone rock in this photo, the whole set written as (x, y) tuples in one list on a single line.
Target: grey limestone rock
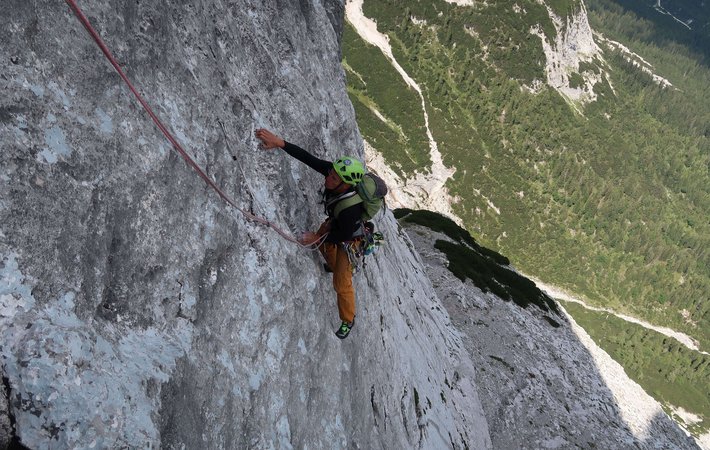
[(540, 385), (138, 310), (6, 429)]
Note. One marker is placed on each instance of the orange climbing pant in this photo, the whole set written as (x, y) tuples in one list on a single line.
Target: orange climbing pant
[(337, 259)]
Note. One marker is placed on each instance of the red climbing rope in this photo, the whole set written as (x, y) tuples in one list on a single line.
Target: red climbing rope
[(84, 21)]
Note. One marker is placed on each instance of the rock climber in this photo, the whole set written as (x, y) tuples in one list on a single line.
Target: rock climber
[(344, 222)]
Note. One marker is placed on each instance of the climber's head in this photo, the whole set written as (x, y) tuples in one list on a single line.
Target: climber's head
[(333, 181), (350, 170)]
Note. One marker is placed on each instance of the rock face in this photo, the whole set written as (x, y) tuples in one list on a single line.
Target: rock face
[(542, 381), (138, 310), (6, 428), (573, 44)]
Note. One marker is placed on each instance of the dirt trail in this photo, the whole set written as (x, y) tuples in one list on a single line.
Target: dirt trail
[(560, 294)]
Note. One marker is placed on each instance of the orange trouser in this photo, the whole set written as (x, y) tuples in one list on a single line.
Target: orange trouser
[(337, 258)]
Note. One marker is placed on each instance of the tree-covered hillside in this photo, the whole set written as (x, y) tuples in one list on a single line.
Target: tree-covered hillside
[(611, 202)]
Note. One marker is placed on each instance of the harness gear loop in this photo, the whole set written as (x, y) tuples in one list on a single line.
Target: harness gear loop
[(366, 243)]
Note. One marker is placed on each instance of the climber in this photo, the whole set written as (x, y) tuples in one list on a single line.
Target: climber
[(342, 225)]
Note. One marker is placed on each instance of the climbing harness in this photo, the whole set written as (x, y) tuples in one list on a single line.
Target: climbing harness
[(85, 22), (366, 244)]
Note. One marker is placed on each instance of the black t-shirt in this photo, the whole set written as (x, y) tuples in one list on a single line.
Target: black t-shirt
[(349, 220)]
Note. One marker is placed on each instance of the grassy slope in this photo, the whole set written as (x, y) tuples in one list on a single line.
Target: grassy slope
[(612, 205)]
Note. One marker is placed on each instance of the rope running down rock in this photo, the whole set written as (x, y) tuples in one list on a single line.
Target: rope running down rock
[(85, 22)]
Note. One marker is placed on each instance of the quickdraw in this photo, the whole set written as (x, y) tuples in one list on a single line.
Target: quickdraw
[(359, 248)]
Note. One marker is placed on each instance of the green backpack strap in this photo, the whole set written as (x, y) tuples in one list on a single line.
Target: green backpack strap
[(346, 203)]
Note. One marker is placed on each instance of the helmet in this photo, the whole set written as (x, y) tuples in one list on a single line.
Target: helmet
[(349, 169)]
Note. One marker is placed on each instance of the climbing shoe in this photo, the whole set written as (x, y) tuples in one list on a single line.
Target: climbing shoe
[(344, 329)]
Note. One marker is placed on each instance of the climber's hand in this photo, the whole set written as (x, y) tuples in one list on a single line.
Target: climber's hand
[(309, 238), (268, 139), (324, 228)]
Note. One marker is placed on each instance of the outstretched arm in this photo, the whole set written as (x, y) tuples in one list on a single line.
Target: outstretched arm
[(270, 140)]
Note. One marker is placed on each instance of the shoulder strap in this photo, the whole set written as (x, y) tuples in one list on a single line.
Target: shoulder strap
[(346, 203), (332, 200)]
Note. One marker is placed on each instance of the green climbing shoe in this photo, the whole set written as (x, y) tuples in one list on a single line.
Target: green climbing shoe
[(344, 329)]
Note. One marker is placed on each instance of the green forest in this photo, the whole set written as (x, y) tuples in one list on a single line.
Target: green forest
[(609, 200)]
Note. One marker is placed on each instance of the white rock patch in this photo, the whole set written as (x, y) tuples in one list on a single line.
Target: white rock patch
[(426, 191)]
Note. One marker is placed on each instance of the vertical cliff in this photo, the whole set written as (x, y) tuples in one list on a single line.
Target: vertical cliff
[(572, 53), (542, 380), (136, 308)]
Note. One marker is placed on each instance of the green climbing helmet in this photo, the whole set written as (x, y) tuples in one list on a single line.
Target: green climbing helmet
[(349, 169)]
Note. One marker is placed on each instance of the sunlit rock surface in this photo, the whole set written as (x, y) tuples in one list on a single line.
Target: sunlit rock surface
[(136, 309), (542, 381), (572, 46)]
